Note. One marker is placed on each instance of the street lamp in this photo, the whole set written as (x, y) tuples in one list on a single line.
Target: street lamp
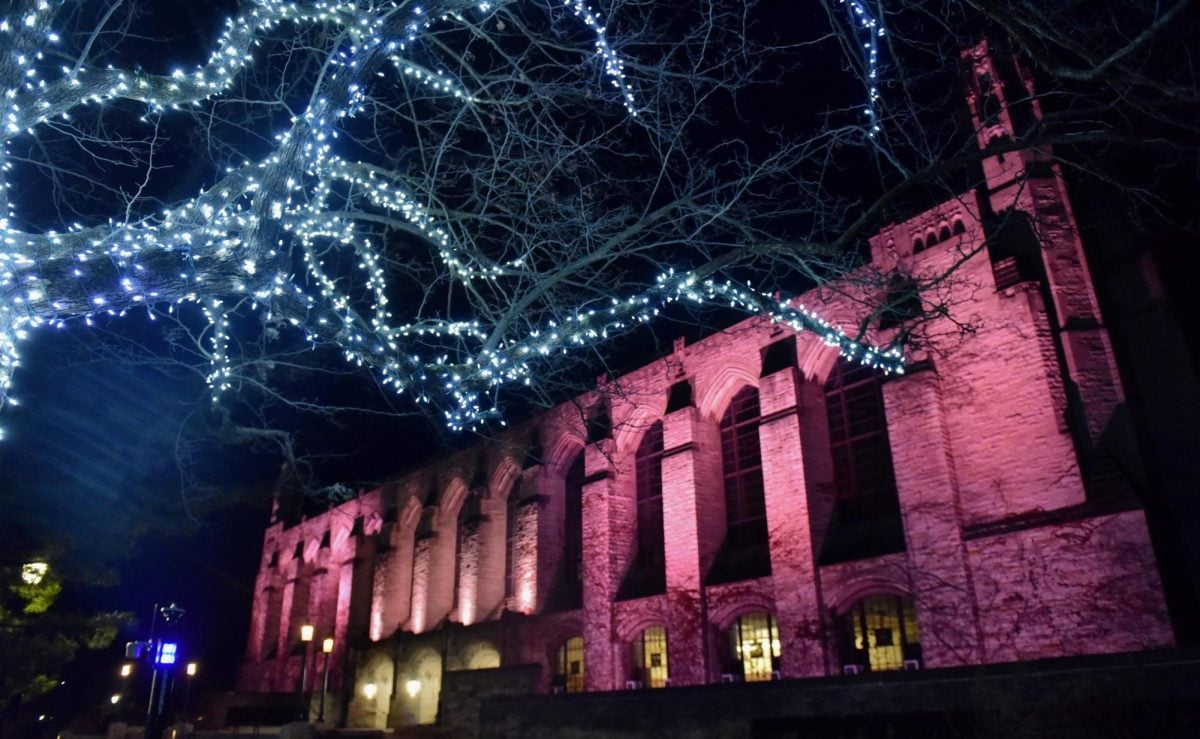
[(326, 649), (126, 670), (33, 572), (306, 636), (187, 691)]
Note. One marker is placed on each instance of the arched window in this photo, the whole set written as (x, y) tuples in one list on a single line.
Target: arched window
[(745, 507), (566, 593), (959, 228), (918, 245), (573, 530), (568, 666), (930, 238), (650, 657), (650, 554), (754, 640), (880, 633), (944, 234), (866, 519)]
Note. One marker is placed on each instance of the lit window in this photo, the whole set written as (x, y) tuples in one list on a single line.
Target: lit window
[(568, 668), (650, 655), (880, 633), (755, 641)]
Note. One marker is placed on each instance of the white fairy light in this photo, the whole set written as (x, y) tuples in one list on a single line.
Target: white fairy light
[(212, 265)]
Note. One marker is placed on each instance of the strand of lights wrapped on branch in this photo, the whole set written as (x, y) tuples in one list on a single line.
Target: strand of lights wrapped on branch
[(210, 249)]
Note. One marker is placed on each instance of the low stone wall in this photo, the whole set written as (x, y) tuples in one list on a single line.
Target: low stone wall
[(464, 692), (1148, 694)]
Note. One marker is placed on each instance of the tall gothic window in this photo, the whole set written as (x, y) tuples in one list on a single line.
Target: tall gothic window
[(568, 665), (568, 591), (880, 633), (573, 522), (862, 457), (745, 507), (650, 554)]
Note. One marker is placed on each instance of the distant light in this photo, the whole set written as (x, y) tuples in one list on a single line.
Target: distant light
[(115, 699), (327, 645), (191, 668), (33, 572), (166, 653), (126, 670), (306, 632), (370, 690), (412, 687)]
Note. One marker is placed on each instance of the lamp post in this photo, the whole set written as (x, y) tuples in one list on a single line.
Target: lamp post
[(162, 655), (187, 691), (326, 650), (306, 636)]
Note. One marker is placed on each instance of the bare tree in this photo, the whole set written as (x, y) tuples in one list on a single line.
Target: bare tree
[(454, 195)]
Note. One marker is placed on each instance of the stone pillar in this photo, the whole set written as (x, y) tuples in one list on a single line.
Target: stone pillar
[(793, 571), (468, 559), (288, 633), (529, 585), (422, 582), (928, 490), (391, 590), (341, 627), (688, 544), (258, 614), (602, 551)]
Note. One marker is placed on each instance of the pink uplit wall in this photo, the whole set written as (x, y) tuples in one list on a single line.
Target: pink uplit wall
[(1007, 550)]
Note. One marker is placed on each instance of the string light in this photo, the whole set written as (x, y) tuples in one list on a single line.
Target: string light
[(208, 250), (872, 31)]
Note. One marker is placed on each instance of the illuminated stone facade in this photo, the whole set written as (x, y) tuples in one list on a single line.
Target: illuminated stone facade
[(751, 507)]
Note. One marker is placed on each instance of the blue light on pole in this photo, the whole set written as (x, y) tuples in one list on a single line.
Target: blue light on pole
[(166, 653)]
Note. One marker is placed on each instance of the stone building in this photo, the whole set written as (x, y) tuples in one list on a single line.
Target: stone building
[(753, 507)]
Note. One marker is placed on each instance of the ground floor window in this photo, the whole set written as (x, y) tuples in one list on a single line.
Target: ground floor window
[(880, 633), (755, 641), (650, 657), (568, 668)]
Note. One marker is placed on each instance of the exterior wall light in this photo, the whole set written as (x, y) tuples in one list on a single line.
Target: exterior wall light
[(412, 687), (33, 572), (370, 690)]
